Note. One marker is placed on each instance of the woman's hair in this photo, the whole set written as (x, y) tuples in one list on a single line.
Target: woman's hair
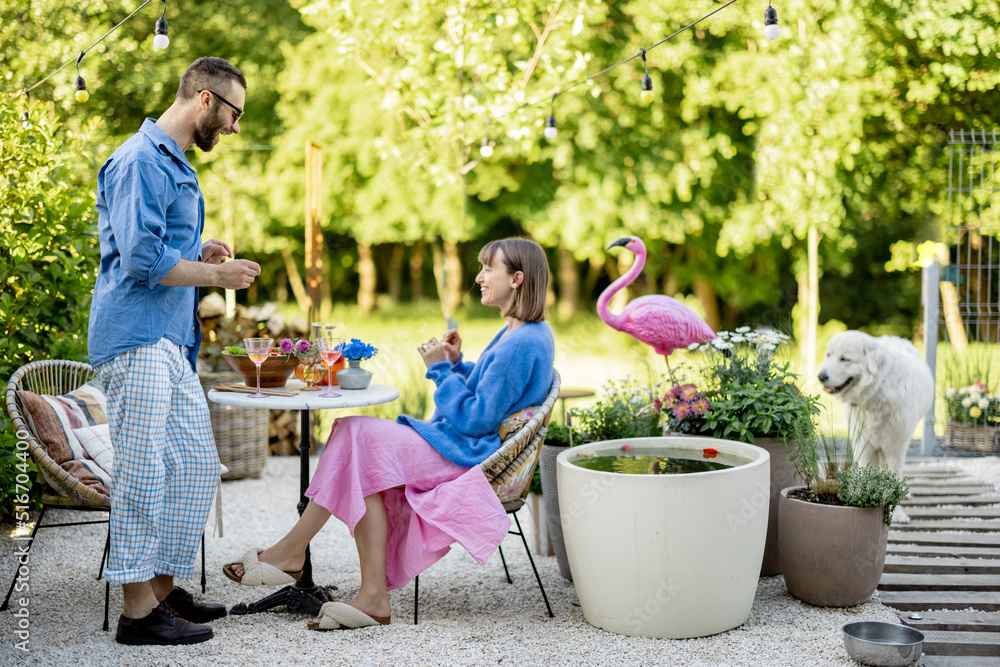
[(520, 254)]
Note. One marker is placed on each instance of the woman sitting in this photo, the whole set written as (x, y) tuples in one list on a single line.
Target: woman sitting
[(409, 489)]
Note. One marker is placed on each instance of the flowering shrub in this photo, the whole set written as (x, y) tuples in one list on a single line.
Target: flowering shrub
[(751, 394), (626, 409), (685, 408), (973, 404), (357, 349)]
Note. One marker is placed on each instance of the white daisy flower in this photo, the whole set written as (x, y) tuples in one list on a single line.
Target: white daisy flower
[(742, 329)]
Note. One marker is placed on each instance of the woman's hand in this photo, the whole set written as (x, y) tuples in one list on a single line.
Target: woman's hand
[(453, 343), (214, 251), (434, 352)]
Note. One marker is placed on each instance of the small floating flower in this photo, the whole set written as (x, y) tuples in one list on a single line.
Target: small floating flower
[(587, 454), (626, 448), (710, 453)]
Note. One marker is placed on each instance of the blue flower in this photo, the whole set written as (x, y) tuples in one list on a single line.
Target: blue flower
[(357, 349)]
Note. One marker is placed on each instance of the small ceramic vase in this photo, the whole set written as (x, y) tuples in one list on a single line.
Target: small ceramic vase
[(354, 377)]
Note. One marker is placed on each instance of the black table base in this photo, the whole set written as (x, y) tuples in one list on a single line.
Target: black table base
[(305, 596)]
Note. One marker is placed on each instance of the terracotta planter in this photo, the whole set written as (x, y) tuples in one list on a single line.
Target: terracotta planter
[(782, 476), (273, 373), (831, 556), (666, 556)]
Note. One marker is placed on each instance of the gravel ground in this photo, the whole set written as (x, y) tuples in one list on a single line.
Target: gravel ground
[(469, 614)]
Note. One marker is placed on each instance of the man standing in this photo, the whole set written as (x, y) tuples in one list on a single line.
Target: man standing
[(143, 341)]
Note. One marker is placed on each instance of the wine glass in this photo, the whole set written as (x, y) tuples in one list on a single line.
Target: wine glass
[(330, 339), (258, 349)]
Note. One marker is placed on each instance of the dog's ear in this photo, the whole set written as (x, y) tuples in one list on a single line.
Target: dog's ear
[(875, 356)]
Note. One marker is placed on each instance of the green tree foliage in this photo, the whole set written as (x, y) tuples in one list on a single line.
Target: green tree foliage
[(48, 252)]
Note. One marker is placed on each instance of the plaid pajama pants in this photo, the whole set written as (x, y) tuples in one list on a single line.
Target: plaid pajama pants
[(166, 464)]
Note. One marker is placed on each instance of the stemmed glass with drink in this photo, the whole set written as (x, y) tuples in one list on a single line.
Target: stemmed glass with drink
[(258, 349), (329, 337)]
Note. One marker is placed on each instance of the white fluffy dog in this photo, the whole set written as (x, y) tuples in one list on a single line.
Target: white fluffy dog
[(886, 388)]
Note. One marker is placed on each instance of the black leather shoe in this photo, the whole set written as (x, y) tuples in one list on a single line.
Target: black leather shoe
[(184, 606), (161, 627)]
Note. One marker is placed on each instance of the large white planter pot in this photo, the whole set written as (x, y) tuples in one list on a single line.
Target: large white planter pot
[(672, 556)]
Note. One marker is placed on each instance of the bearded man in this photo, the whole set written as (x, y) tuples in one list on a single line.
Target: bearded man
[(143, 341)]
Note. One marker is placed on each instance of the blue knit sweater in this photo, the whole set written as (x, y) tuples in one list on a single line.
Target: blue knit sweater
[(472, 399)]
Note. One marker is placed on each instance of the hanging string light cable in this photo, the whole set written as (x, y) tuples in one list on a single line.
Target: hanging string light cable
[(78, 58)]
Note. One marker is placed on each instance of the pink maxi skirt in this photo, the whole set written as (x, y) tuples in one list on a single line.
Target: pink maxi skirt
[(430, 502)]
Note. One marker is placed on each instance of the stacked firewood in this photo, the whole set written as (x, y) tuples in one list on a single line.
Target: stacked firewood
[(219, 332)]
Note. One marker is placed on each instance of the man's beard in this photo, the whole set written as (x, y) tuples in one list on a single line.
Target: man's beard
[(205, 133)]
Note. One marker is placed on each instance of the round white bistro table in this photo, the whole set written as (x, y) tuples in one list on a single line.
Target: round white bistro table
[(305, 595)]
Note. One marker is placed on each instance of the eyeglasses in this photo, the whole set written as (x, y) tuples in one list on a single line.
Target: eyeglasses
[(239, 111)]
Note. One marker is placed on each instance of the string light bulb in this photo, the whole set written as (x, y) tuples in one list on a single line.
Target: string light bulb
[(646, 96), (160, 39), (551, 131), (81, 93), (485, 149), (771, 28)]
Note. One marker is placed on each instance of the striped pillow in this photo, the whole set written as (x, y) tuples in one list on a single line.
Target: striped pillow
[(53, 418)]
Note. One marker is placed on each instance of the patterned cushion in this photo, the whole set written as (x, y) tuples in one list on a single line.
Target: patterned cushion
[(514, 481), (96, 452), (53, 419), (513, 422)]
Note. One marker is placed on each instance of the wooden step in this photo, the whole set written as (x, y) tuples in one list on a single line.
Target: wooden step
[(953, 512), (945, 539), (985, 499), (959, 621), (938, 582), (945, 642), (956, 661), (920, 565), (946, 524), (944, 551), (920, 600), (916, 471), (950, 490), (938, 482)]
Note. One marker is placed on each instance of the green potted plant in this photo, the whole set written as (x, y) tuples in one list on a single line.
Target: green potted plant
[(833, 529), (973, 417), (753, 398)]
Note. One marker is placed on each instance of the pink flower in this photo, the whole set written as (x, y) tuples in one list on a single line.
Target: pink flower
[(287, 346), (982, 387), (303, 346), (657, 404), (671, 394), (626, 448), (681, 410), (688, 392), (700, 407)]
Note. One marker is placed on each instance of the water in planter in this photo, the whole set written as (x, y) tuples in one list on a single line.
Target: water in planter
[(658, 461)]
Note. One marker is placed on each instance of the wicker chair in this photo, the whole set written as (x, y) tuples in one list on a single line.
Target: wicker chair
[(59, 377), (519, 452)]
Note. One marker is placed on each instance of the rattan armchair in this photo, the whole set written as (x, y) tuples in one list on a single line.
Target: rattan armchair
[(518, 454), (61, 490)]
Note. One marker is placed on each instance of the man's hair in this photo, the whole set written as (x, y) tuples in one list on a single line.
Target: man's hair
[(213, 74), (526, 256)]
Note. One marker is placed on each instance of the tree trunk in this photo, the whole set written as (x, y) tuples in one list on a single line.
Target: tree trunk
[(812, 302), (417, 271), (395, 272), (669, 275), (453, 277), (569, 285), (706, 295), (594, 266), (366, 279), (295, 280)]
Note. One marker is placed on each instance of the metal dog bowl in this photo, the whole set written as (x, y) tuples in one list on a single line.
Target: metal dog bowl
[(883, 644)]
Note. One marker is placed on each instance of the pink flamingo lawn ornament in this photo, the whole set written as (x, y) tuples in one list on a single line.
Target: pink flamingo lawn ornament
[(657, 320)]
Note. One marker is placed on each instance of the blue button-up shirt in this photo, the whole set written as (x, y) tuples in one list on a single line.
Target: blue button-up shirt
[(150, 216)]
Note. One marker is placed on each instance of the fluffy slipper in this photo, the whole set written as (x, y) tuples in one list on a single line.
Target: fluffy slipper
[(342, 616), (256, 573)]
